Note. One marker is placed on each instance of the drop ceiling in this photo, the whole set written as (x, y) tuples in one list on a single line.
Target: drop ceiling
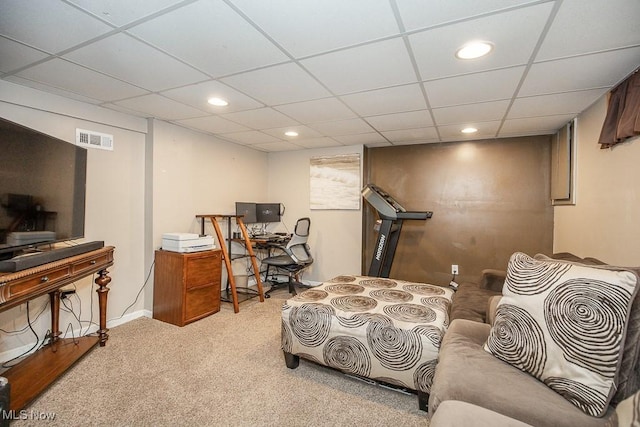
[(338, 72)]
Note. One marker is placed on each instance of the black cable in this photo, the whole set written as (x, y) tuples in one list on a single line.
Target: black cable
[(19, 331), (4, 364), (139, 292)]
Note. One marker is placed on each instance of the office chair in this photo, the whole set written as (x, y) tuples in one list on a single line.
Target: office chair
[(292, 258)]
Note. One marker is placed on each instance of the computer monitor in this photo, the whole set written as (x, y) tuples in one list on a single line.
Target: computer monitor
[(249, 210), (268, 212)]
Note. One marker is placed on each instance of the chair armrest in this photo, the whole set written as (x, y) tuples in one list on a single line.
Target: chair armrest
[(493, 279), (492, 304)]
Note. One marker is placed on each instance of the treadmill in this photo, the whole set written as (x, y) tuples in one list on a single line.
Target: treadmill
[(391, 214)]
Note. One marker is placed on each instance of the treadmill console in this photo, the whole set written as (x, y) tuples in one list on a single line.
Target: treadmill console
[(387, 206)]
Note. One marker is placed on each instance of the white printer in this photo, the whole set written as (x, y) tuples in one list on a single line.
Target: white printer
[(187, 242)]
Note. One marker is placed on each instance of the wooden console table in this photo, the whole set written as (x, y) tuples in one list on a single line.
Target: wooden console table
[(35, 373)]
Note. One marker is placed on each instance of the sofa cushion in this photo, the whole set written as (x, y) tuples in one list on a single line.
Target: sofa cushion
[(468, 373), (454, 413), (565, 324), (470, 302)]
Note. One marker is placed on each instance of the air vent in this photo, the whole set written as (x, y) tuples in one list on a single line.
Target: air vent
[(92, 139)]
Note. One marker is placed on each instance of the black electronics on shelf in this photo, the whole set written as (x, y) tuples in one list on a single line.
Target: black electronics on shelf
[(391, 214)]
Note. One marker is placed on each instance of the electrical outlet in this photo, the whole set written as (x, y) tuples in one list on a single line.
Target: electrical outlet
[(454, 268)]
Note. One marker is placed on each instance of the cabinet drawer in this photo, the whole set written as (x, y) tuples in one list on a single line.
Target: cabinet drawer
[(201, 302), (202, 271), (32, 283)]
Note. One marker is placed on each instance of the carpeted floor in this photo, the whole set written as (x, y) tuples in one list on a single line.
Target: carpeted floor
[(224, 370)]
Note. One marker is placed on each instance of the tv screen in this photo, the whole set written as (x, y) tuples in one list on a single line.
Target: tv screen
[(268, 212), (42, 189), (247, 209)]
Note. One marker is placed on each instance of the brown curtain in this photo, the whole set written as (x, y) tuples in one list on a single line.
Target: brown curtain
[(623, 113)]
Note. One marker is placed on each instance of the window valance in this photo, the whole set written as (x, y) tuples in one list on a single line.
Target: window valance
[(623, 113)]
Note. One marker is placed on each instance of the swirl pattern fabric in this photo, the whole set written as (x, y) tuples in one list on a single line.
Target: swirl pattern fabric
[(384, 329), (565, 324)]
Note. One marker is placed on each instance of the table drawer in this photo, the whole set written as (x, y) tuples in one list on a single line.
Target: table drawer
[(88, 264), (31, 283)]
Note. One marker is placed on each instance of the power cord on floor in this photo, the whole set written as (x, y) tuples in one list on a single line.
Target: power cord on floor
[(139, 292)]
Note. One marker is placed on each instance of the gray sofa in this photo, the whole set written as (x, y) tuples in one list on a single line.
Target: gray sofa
[(473, 387)]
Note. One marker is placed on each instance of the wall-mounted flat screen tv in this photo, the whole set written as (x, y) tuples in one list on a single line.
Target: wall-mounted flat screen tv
[(42, 189)]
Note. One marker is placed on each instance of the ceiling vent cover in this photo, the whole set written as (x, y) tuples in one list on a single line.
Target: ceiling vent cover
[(92, 139)]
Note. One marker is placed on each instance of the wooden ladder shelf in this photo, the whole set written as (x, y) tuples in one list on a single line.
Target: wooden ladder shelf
[(227, 256)]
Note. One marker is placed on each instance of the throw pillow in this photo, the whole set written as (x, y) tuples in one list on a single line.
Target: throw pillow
[(565, 324), (628, 381)]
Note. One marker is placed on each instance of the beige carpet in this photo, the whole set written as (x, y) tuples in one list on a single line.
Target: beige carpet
[(224, 370)]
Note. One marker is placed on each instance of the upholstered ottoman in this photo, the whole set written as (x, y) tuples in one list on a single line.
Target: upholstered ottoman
[(386, 330)]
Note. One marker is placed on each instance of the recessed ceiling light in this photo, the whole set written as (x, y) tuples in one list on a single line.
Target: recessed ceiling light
[(291, 133), (218, 102), (469, 130), (474, 50)]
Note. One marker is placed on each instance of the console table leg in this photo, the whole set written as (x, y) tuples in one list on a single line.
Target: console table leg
[(102, 281), (54, 297)]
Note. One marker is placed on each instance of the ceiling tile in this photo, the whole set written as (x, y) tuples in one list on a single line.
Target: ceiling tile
[(415, 15), (158, 106), (130, 60), (301, 26), (280, 84), (250, 137), (15, 55), (69, 28), (319, 110), (277, 146), (480, 112), (426, 134), (560, 103), (197, 95), (482, 87), (453, 132), (322, 142), (397, 121), (579, 29), (435, 49), (213, 124), (541, 125), (223, 34), (304, 132), (342, 127), (581, 72), (74, 78), (120, 12), (388, 100), (50, 89), (371, 66), (361, 138), (261, 118)]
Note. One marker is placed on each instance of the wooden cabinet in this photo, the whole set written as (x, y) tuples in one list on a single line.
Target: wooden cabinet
[(186, 286)]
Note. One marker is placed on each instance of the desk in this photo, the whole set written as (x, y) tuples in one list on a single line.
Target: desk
[(36, 372)]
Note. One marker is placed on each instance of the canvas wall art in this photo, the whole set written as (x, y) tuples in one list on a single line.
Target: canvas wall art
[(335, 182)]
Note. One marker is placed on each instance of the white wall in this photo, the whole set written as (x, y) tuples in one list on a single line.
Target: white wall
[(197, 174), (604, 221), (336, 235), (114, 204)]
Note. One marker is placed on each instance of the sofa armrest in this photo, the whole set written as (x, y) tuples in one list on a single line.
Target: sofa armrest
[(493, 279), (492, 304)]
